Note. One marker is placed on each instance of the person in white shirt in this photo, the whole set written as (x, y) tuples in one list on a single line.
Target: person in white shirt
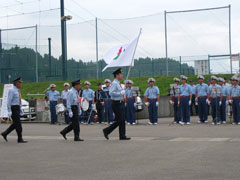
[(64, 100)]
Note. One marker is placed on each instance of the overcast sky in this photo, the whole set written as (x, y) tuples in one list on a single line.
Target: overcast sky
[(189, 34)]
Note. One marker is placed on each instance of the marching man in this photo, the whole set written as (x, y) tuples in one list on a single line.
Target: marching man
[(215, 99), (185, 100), (174, 93), (202, 100), (130, 103), (14, 106), (152, 97), (74, 111)]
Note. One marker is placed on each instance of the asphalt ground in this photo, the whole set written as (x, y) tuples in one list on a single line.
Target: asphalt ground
[(162, 152)]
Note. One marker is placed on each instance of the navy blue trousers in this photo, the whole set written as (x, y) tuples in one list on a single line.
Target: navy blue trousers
[(185, 108), (202, 109)]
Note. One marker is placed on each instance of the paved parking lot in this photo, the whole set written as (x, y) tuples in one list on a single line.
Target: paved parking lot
[(198, 151)]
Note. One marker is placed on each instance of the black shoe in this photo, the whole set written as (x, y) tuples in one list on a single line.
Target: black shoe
[(4, 137), (22, 141), (78, 139), (125, 138), (64, 135), (105, 134)]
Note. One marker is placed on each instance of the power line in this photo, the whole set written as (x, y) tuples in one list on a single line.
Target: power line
[(27, 13)]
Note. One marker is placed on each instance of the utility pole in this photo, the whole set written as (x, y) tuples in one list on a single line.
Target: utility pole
[(49, 56), (97, 46), (36, 54), (64, 41)]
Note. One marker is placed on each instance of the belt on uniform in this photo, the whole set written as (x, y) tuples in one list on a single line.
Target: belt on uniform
[(224, 96), (236, 97), (15, 106), (131, 98), (152, 98), (53, 101), (202, 96), (107, 99), (118, 101), (214, 97), (185, 96)]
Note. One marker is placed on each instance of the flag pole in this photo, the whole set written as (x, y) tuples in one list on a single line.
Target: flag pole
[(130, 67)]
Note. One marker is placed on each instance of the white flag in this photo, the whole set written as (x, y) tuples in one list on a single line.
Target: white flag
[(122, 55)]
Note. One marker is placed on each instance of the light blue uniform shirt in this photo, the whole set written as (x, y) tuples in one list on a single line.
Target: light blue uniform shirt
[(115, 90), (89, 94), (175, 94), (152, 92), (13, 98), (53, 95), (107, 89), (224, 90), (201, 89), (185, 90), (235, 91), (193, 89), (129, 92), (72, 99), (211, 90)]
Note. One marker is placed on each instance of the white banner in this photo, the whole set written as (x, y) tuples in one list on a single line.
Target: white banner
[(4, 110), (122, 55)]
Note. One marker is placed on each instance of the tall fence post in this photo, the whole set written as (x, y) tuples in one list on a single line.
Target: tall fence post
[(209, 69), (97, 46), (166, 49), (230, 39), (49, 56), (36, 54), (180, 63)]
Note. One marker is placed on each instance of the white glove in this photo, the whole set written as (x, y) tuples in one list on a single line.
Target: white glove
[(147, 104), (21, 112), (70, 114), (48, 88), (157, 103), (230, 101), (10, 114), (135, 104), (206, 101), (190, 102), (171, 102), (220, 103), (125, 104), (123, 92), (209, 102), (92, 106)]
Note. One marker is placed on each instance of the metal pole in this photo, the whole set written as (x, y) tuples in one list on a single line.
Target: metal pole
[(49, 56), (239, 61), (230, 39), (64, 43), (209, 69), (166, 49), (97, 46), (180, 59), (36, 55)]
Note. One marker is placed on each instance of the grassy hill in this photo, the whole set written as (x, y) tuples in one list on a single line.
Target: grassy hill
[(162, 82)]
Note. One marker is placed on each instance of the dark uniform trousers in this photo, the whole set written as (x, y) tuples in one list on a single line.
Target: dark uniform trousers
[(16, 124), (118, 109), (74, 125), (177, 110)]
